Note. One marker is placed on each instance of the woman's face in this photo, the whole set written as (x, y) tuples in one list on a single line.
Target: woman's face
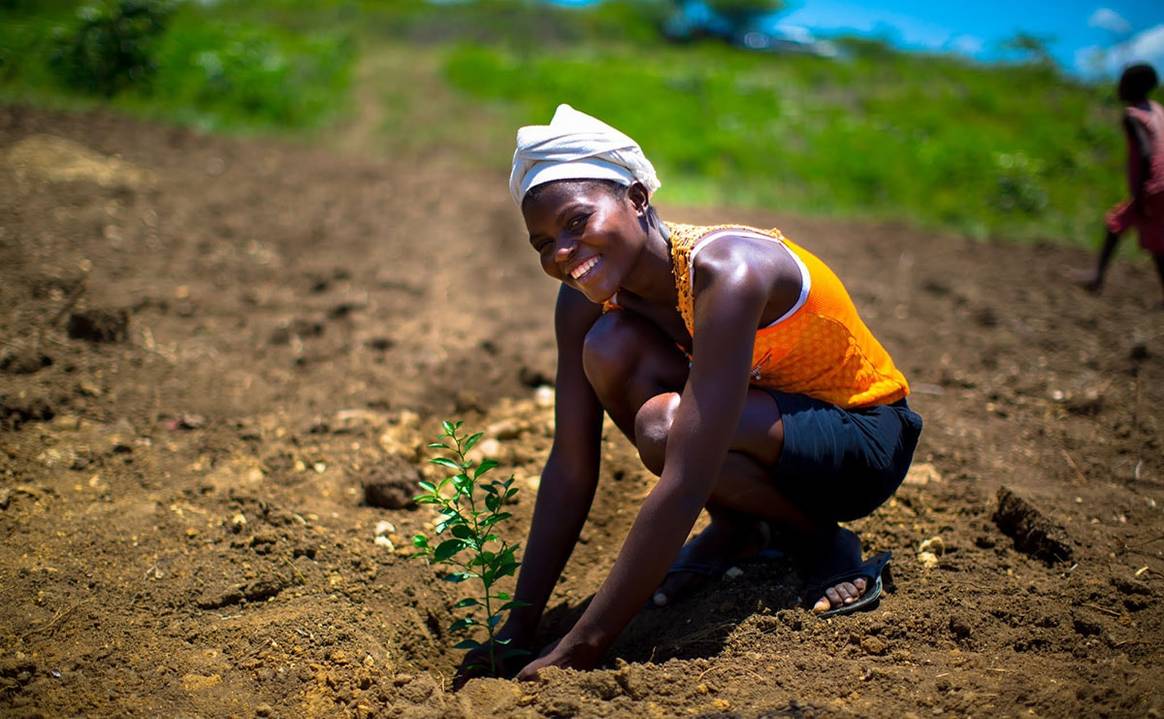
[(587, 234)]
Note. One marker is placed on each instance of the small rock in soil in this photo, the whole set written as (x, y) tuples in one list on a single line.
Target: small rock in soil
[(1084, 626), (960, 628), (1031, 531), (15, 411), (99, 325), (380, 344), (299, 327), (186, 421), (1089, 402), (1131, 586), (24, 362), (343, 309), (929, 560), (874, 645)]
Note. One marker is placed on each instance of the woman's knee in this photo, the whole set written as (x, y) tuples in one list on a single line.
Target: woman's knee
[(610, 351), (652, 425)]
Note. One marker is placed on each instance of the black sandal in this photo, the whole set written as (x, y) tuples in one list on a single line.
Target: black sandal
[(841, 563)]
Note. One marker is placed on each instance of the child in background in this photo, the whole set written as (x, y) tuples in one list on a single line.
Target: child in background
[(735, 362), (1144, 127)]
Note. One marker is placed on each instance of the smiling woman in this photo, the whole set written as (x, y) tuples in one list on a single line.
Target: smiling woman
[(735, 362)]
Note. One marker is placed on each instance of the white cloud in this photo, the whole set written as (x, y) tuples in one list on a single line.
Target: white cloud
[(1146, 46), (1107, 19), (966, 44)]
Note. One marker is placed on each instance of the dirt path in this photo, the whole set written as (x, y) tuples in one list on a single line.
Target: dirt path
[(181, 505)]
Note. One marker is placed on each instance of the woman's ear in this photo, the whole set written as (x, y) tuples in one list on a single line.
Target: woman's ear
[(639, 198)]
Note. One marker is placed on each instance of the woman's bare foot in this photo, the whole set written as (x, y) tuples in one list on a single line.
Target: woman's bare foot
[(725, 540), (839, 580), (839, 595)]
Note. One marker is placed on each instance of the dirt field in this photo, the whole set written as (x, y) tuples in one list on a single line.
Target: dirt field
[(211, 346)]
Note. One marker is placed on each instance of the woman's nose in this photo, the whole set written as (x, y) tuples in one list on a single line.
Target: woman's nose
[(563, 248)]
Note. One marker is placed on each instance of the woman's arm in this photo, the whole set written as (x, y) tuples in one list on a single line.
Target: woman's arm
[(1142, 154), (571, 472), (730, 297)]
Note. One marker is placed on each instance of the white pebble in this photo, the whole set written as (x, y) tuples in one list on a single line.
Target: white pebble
[(933, 545), (490, 448), (384, 527), (929, 560), (385, 542), (544, 396)]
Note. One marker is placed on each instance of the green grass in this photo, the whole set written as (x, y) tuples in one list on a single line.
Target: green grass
[(1009, 151), (218, 67)]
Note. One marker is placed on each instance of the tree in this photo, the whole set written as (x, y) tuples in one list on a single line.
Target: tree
[(741, 11), (1032, 48)]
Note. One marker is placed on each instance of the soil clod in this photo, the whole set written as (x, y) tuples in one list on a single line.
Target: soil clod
[(380, 344), (99, 325), (392, 487), (24, 362), (15, 411), (257, 590), (1031, 531), (300, 328)]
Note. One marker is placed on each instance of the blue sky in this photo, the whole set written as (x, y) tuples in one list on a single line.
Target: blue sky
[(1090, 38), (1129, 31)]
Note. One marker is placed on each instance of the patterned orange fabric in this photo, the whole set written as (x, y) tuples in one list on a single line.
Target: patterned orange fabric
[(822, 349)]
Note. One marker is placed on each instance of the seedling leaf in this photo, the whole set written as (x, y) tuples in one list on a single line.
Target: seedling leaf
[(513, 604), (485, 466), (447, 549), (472, 441)]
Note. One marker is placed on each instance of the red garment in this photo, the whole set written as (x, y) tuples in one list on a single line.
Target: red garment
[(1149, 217)]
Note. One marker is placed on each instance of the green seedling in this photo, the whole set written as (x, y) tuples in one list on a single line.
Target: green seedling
[(471, 508)]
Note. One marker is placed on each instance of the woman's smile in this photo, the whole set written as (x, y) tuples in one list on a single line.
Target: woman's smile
[(584, 268)]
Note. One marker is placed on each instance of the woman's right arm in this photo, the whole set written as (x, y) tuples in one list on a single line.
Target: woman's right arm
[(571, 472)]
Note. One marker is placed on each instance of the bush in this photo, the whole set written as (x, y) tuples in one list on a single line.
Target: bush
[(253, 75), (111, 47)]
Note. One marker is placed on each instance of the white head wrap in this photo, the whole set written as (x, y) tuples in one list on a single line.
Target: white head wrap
[(576, 146)]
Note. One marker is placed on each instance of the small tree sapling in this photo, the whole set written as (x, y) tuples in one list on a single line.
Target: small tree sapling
[(471, 508)]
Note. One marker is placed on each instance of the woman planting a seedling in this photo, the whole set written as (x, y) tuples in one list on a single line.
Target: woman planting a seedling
[(735, 362)]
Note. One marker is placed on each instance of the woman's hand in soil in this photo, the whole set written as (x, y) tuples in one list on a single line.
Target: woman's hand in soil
[(476, 662), (562, 653)]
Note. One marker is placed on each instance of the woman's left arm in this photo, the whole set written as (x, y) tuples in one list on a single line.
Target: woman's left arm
[(730, 298), (1138, 138)]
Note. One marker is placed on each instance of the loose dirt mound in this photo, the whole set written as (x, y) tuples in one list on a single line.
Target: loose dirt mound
[(56, 159), (185, 516)]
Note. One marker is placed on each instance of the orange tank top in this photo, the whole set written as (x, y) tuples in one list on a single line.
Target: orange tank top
[(820, 347)]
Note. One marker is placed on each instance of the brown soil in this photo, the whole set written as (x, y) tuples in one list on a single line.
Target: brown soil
[(183, 503)]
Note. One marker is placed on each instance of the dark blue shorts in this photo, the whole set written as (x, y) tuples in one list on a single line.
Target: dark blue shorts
[(837, 464)]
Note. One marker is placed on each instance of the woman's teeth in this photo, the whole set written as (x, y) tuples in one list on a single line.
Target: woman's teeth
[(583, 268)]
